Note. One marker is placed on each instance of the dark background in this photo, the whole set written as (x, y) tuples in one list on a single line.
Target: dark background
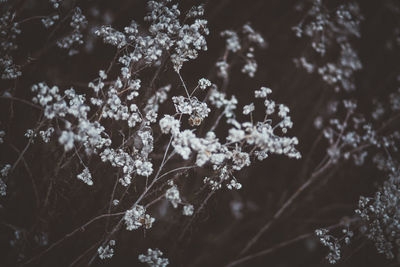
[(64, 203)]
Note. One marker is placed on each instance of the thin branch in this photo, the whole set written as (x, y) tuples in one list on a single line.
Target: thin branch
[(283, 244), (21, 101), (286, 205), (184, 85), (145, 191), (81, 228), (84, 253), (34, 187), (175, 170), (203, 204)]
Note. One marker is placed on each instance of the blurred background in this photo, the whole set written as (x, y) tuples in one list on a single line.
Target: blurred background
[(231, 217)]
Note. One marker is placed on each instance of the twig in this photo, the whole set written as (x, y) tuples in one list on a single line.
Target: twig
[(35, 190), (145, 191), (21, 101), (184, 86), (111, 201), (182, 235), (84, 253), (175, 170), (286, 205), (217, 121), (155, 201), (21, 155), (81, 228), (283, 244), (320, 169), (269, 250)]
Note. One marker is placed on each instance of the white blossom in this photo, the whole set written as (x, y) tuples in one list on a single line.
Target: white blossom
[(153, 258), (106, 252), (204, 83), (172, 195), (3, 188), (169, 124), (136, 218), (2, 134), (144, 168), (85, 176), (188, 210), (248, 109)]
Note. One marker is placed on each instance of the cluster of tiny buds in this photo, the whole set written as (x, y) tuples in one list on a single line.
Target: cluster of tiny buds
[(153, 258)]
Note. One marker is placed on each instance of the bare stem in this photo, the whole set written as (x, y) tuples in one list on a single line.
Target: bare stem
[(282, 245), (81, 228), (286, 205)]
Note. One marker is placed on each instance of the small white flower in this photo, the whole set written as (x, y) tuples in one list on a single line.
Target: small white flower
[(263, 92), (204, 83), (2, 134), (102, 74), (136, 218), (85, 176), (169, 124), (3, 188), (30, 133), (106, 252), (172, 195), (248, 109), (144, 168), (153, 258), (188, 210)]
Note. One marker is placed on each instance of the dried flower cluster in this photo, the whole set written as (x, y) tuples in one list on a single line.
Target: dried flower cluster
[(135, 146), (331, 30), (153, 258), (381, 217)]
